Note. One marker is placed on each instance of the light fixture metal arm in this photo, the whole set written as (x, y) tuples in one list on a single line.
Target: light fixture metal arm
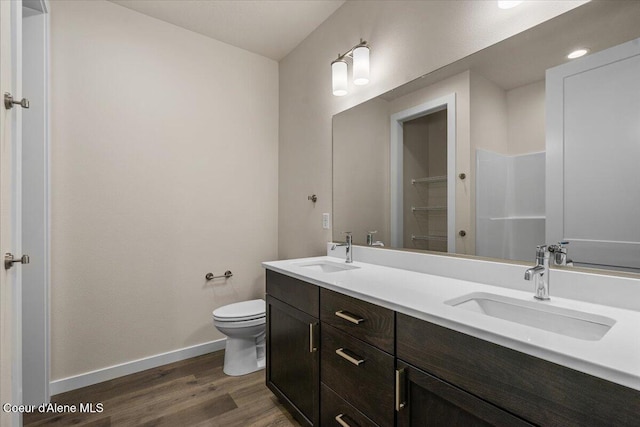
[(349, 53)]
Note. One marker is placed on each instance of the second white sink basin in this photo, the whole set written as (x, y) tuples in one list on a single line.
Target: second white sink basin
[(572, 323), (326, 266)]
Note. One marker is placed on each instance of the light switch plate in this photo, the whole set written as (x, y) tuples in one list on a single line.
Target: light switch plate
[(326, 222)]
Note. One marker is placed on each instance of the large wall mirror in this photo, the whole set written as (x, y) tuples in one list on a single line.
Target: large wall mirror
[(509, 148)]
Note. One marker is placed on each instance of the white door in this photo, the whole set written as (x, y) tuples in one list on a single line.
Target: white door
[(10, 206), (35, 209), (593, 149)]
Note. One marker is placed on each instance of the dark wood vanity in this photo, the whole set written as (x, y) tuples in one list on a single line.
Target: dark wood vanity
[(335, 360)]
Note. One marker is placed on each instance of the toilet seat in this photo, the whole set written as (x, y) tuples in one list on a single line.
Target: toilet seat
[(241, 311)]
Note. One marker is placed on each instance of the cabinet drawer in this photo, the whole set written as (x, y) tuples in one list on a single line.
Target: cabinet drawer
[(359, 373), (527, 386), (368, 322), (301, 295), (334, 408)]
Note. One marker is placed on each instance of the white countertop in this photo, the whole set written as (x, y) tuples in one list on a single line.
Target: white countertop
[(615, 357)]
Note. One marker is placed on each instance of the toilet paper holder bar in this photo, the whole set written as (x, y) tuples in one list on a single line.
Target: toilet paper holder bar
[(226, 275)]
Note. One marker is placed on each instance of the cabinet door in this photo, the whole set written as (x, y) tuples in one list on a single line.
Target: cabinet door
[(428, 401), (293, 360)]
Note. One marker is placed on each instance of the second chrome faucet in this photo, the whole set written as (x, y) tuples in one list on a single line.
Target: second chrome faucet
[(540, 272)]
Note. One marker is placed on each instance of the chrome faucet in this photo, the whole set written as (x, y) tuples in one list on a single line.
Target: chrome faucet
[(348, 244), (540, 273), (370, 241)]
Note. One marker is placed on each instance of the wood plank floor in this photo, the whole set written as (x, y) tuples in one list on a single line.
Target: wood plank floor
[(193, 392)]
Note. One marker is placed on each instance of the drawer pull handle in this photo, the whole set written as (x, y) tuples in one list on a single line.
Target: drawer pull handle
[(349, 317), (400, 387), (356, 360), (342, 422), (312, 340)]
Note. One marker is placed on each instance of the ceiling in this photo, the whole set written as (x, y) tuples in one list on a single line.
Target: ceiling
[(270, 28), (524, 58)]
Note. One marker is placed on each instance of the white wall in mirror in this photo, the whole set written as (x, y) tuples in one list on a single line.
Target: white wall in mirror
[(363, 139)]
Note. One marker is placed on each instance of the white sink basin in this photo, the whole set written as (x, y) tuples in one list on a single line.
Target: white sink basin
[(327, 266), (572, 323)]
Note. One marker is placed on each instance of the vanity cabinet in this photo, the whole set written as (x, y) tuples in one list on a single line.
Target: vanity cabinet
[(335, 360), (292, 340)]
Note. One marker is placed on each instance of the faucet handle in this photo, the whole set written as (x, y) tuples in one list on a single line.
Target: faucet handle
[(560, 253), (559, 247), (370, 237)]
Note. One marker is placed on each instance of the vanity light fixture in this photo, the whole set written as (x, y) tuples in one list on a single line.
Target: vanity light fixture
[(578, 53), (508, 4), (339, 70)]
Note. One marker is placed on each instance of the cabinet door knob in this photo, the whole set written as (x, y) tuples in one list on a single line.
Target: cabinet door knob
[(9, 260), (9, 101)]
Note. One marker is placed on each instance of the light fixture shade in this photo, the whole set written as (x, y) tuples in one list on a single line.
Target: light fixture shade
[(361, 65), (339, 77)]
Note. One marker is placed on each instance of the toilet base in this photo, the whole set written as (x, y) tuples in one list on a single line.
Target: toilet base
[(242, 356)]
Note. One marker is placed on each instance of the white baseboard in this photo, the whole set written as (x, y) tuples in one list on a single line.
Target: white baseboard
[(106, 374)]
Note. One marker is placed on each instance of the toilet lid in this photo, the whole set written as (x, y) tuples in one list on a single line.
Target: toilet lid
[(244, 310)]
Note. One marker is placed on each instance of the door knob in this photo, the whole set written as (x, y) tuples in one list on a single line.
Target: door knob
[(9, 101), (9, 260)]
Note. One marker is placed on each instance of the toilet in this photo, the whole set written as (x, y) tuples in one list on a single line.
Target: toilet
[(244, 325)]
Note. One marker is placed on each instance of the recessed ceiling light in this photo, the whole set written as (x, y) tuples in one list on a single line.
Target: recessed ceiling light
[(508, 4), (578, 53)]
